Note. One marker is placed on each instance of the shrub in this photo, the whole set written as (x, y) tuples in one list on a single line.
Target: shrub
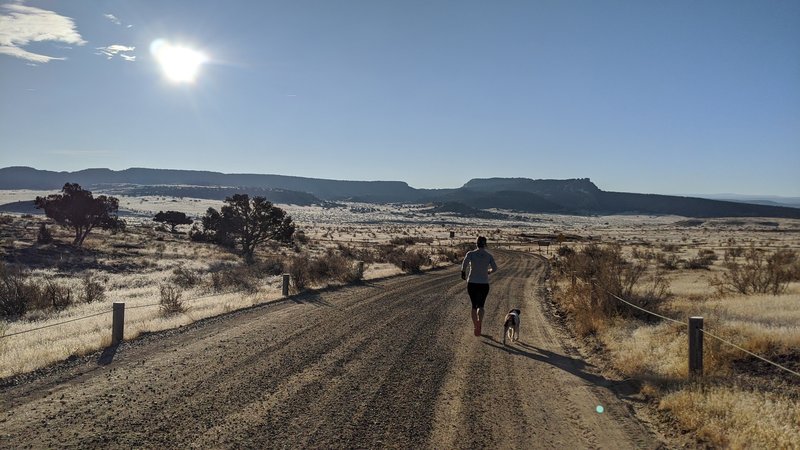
[(185, 278), (56, 296), (331, 266), (671, 248), (668, 261), (565, 251), (409, 240), (92, 291), (298, 270), (240, 278), (414, 260), (759, 273), (43, 236), (596, 275), (171, 302), (271, 266), (704, 259), (16, 293)]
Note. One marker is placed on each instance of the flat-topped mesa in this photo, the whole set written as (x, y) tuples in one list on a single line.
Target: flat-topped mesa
[(570, 196), (531, 185)]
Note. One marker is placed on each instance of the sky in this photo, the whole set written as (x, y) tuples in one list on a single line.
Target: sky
[(670, 97)]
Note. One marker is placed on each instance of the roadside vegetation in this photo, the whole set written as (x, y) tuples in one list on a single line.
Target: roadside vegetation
[(174, 278), (748, 291)]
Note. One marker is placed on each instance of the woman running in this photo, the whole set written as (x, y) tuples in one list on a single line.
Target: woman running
[(481, 264)]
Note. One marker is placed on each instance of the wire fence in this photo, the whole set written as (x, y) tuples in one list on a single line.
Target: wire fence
[(703, 330), (109, 311)]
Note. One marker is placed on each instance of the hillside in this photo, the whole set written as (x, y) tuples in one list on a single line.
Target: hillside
[(572, 196)]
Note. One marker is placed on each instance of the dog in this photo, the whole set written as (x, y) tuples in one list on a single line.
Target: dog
[(511, 326)]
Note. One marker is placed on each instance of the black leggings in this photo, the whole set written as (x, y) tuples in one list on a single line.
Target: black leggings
[(477, 294)]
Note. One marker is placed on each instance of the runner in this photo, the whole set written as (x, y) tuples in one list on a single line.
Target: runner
[(481, 264)]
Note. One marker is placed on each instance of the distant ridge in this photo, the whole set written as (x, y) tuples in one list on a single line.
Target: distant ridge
[(572, 196)]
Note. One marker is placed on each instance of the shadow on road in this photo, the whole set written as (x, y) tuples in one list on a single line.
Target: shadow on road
[(107, 357), (570, 365), (310, 298)]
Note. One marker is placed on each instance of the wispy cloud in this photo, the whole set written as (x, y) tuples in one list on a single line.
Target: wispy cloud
[(20, 25), (117, 50), (116, 20), (113, 19)]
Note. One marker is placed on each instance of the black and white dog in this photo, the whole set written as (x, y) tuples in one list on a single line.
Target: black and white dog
[(511, 326)]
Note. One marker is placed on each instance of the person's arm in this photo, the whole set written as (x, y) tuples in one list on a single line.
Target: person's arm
[(464, 267), (493, 265)]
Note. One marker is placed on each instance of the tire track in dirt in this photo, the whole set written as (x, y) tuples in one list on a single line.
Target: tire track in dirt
[(386, 364)]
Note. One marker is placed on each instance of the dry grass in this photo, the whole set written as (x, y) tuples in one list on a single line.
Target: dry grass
[(133, 265), (736, 418), (30, 351), (724, 414), (737, 408)]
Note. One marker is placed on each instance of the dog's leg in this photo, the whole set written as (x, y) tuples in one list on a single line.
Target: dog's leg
[(516, 332)]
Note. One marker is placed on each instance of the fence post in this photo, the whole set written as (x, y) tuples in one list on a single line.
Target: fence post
[(118, 323), (285, 287), (695, 347)]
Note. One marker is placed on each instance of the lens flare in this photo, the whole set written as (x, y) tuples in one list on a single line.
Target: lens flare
[(180, 64)]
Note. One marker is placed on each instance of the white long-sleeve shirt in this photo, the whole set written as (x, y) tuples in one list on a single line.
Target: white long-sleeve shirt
[(479, 261)]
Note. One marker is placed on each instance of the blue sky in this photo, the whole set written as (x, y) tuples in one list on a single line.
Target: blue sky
[(672, 97)]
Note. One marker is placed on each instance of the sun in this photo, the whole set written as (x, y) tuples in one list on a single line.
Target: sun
[(180, 64)]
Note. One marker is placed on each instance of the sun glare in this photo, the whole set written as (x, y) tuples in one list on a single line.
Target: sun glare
[(180, 64)]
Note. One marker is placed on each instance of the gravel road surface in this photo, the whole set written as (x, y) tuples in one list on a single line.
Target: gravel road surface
[(392, 363)]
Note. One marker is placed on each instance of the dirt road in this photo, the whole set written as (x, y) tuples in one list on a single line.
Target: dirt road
[(386, 364)]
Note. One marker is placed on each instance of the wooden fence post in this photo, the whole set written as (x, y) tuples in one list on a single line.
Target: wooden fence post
[(118, 323), (695, 347), (285, 287)]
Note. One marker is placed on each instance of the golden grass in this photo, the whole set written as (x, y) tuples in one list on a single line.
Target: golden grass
[(652, 352), (736, 418), (32, 350), (722, 415)]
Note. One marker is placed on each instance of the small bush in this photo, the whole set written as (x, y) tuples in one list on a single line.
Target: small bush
[(298, 270), (185, 278), (270, 266), (595, 275), (409, 240), (171, 302), (300, 237), (759, 273), (414, 260), (704, 259), (43, 236), (238, 278), (670, 248), (668, 261), (57, 296), (16, 292), (565, 251), (92, 290), (331, 266)]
